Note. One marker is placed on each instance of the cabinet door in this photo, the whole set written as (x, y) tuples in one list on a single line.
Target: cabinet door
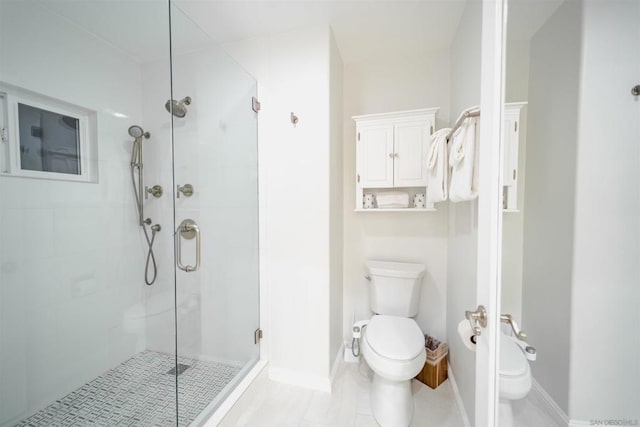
[(410, 155), (375, 155), (511, 138)]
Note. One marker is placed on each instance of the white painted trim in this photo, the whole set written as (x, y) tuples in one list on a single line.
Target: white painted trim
[(336, 363), (548, 404), (399, 114), (300, 379), (578, 423), (490, 210), (233, 397), (459, 402)]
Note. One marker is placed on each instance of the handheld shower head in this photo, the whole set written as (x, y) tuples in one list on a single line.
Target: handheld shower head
[(178, 108), (137, 132)]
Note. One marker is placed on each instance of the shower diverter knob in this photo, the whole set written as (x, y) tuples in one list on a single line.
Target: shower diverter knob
[(186, 190)]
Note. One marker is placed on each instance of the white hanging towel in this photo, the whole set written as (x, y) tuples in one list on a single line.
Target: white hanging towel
[(438, 167), (463, 159)]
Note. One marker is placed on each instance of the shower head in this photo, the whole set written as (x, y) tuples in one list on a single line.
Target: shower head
[(178, 108), (137, 132)]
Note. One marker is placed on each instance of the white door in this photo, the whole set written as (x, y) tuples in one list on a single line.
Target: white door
[(411, 144), (489, 211), (375, 145)]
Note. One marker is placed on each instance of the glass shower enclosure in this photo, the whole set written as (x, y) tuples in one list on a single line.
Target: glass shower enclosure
[(129, 262)]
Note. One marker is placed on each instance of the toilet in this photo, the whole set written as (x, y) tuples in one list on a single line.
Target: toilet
[(514, 377), (392, 342)]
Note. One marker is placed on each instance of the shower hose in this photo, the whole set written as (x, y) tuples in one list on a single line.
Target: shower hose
[(151, 258)]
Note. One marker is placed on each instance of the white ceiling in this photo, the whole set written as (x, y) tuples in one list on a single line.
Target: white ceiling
[(364, 29)]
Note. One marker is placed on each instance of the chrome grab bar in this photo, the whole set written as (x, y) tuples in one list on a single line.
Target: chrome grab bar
[(507, 318), (187, 229)]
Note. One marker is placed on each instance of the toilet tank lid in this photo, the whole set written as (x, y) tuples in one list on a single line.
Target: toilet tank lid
[(395, 269)]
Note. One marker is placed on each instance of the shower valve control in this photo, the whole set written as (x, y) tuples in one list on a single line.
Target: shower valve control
[(156, 191), (186, 190)]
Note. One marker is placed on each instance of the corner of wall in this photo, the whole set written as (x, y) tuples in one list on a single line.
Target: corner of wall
[(336, 229)]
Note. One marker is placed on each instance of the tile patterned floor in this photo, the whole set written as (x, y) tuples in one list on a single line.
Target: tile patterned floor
[(139, 392)]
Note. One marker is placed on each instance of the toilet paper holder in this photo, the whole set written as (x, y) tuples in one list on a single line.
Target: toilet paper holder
[(477, 319)]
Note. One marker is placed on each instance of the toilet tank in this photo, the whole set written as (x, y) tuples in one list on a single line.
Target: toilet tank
[(394, 287)]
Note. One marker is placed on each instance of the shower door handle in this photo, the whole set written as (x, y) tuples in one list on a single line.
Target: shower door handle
[(188, 229)]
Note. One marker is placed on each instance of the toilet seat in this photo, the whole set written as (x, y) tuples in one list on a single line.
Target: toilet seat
[(397, 338), (394, 347)]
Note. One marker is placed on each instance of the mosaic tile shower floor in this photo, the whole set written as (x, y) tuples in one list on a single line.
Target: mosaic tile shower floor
[(139, 392)]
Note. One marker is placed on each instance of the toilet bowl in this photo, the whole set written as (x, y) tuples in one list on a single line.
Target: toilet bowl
[(514, 378), (392, 342), (393, 347)]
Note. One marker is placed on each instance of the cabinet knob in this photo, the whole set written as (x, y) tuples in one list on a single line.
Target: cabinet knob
[(391, 155)]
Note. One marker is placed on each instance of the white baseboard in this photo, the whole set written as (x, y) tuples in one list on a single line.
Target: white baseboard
[(578, 423), (549, 405), (336, 363), (287, 376), (456, 393), (310, 381)]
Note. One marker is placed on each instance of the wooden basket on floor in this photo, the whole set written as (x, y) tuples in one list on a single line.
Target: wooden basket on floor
[(434, 371)]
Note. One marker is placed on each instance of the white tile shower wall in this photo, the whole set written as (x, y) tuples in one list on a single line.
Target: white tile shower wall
[(378, 86), (215, 151), (71, 254)]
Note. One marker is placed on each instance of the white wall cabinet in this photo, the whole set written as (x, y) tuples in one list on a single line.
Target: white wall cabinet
[(391, 152), (510, 154)]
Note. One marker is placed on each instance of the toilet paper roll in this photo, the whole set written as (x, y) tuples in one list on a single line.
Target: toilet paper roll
[(466, 333)]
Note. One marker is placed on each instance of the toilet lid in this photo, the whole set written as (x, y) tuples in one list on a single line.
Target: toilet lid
[(397, 338), (512, 359)]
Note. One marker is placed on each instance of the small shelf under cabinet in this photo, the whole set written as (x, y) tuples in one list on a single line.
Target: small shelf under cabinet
[(396, 210)]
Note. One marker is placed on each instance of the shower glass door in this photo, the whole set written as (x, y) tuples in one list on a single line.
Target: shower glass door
[(87, 324), (215, 200)]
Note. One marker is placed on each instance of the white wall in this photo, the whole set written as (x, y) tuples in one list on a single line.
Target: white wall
[(549, 197), (463, 217), (71, 254), (393, 84), (293, 71), (605, 343), (336, 199), (516, 90)]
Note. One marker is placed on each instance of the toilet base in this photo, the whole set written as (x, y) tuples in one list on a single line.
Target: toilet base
[(391, 401), (505, 413)]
